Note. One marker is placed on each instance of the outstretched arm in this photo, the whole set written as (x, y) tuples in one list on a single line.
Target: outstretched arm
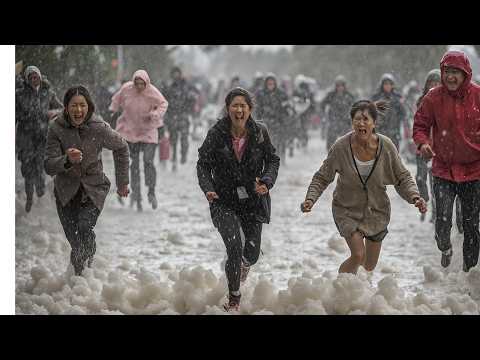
[(113, 141), (272, 162), (205, 163), (323, 177), (423, 122), (404, 183)]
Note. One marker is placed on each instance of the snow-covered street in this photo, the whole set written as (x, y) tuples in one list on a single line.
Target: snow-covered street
[(170, 260)]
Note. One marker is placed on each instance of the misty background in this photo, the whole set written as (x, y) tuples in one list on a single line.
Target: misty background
[(362, 65)]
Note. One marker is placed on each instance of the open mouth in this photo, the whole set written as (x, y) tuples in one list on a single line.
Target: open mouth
[(362, 131)]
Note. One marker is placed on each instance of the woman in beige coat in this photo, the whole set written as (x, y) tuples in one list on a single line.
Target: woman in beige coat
[(366, 162)]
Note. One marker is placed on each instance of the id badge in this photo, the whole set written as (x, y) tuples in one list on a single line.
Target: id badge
[(242, 192)]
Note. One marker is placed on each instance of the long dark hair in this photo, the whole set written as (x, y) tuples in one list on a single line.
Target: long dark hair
[(74, 91), (238, 91)]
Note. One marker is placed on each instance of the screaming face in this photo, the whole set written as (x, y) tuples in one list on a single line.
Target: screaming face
[(78, 110), (239, 111), (363, 124)]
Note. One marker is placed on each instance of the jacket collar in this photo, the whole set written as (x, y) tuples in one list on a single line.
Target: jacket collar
[(65, 122), (224, 124)]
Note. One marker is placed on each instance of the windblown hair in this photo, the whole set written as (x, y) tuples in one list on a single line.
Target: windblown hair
[(374, 108)]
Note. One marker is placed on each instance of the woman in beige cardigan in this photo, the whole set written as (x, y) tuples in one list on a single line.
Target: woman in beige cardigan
[(366, 162)]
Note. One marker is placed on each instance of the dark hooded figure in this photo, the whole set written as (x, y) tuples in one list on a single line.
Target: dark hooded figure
[(257, 83), (35, 103), (446, 129), (424, 171), (273, 108), (390, 123), (181, 99), (304, 104), (237, 167), (339, 102), (75, 143)]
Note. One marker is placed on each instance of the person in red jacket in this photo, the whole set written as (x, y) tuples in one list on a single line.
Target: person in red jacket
[(452, 112)]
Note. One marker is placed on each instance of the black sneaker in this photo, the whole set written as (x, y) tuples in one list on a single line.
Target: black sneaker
[(28, 205), (446, 257), (89, 262), (233, 303), (40, 192), (152, 200)]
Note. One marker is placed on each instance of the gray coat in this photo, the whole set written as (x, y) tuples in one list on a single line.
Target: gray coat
[(91, 137)]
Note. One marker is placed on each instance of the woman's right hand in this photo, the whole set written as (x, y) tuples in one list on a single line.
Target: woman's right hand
[(74, 155), (306, 206), (211, 195), (426, 151)]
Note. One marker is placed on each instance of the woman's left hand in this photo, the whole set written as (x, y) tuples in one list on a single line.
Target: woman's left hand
[(421, 205), (260, 188)]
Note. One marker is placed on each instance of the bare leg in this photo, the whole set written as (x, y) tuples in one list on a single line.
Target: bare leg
[(357, 257), (372, 254)]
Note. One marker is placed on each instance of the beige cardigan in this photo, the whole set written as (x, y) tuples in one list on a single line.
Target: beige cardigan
[(354, 206)]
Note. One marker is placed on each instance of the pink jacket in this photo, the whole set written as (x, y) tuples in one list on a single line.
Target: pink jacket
[(142, 112)]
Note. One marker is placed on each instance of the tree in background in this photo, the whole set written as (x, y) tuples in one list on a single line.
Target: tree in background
[(93, 65)]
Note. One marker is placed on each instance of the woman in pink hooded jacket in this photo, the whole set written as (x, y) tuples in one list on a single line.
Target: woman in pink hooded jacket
[(143, 108)]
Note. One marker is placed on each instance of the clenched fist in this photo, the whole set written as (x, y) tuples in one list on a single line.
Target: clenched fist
[(306, 206), (75, 156)]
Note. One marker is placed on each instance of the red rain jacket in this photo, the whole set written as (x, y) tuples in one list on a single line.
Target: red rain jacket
[(454, 118)]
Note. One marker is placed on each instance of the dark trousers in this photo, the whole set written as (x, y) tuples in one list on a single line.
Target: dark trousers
[(230, 226), (33, 173), (148, 166), (469, 193), (78, 219), (422, 177), (179, 129)]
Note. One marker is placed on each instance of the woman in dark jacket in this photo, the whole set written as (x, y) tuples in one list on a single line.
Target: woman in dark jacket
[(236, 168), (74, 156)]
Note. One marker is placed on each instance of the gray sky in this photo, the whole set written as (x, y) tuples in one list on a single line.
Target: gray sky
[(267, 47)]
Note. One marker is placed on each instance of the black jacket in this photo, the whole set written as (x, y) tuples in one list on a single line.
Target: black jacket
[(272, 104), (390, 124), (338, 119), (218, 169), (181, 98)]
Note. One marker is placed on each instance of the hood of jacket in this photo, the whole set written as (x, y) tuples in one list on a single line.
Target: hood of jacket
[(459, 60)]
